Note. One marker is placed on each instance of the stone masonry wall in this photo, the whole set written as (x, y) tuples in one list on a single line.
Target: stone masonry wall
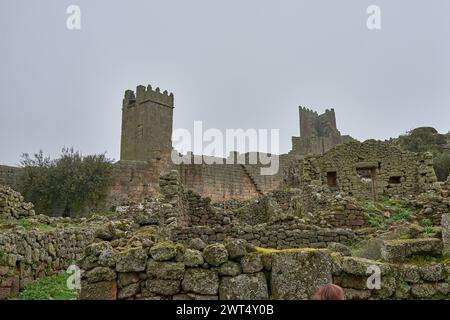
[(370, 169), (289, 234), (29, 255), (235, 270)]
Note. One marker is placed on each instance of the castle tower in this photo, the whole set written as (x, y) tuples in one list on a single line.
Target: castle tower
[(147, 118)]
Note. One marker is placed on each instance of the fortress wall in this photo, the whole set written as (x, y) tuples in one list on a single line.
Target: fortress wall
[(136, 180), (218, 181)]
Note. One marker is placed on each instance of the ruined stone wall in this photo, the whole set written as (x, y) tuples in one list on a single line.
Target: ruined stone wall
[(218, 181), (401, 281), (276, 235), (29, 255), (369, 169), (235, 270), (229, 271)]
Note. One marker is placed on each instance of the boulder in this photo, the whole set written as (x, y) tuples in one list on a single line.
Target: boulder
[(197, 244), (230, 268), (252, 263), (215, 254), (192, 258), (165, 270), (163, 287), (244, 287), (131, 260), (236, 248), (400, 250), (296, 275), (100, 274), (163, 251), (105, 290), (201, 281)]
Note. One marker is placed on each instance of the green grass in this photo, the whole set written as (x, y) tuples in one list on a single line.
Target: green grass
[(49, 288), (25, 223)]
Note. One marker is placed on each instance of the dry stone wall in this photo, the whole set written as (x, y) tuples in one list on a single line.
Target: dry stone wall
[(29, 255)]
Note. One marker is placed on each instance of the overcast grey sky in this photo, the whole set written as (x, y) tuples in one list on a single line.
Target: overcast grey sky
[(232, 64)]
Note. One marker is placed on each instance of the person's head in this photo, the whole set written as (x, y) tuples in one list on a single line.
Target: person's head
[(329, 292)]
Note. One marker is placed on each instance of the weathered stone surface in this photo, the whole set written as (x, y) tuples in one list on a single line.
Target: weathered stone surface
[(445, 226), (423, 290), (433, 272), (215, 254), (340, 248), (163, 287), (244, 287), (409, 273), (230, 268), (201, 281), (105, 290), (236, 248), (399, 250), (297, 275), (100, 274), (352, 294), (197, 244), (125, 279), (131, 260), (129, 291), (252, 263), (362, 267), (165, 270), (163, 251), (192, 258)]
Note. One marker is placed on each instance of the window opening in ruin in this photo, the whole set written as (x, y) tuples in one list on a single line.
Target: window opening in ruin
[(379, 165), (332, 179), (395, 180)]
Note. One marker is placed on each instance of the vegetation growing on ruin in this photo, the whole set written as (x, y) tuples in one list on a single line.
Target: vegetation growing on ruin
[(427, 139), (385, 212), (49, 288), (25, 223), (68, 185)]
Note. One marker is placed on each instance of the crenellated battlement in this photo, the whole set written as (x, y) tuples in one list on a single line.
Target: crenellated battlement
[(147, 94)]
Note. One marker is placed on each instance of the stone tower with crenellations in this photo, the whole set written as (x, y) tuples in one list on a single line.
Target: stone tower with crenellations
[(318, 133), (147, 118)]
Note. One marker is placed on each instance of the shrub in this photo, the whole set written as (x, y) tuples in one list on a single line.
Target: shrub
[(441, 165), (69, 185)]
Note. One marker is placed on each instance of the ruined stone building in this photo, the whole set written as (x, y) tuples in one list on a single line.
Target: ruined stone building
[(318, 133), (369, 169), (319, 155)]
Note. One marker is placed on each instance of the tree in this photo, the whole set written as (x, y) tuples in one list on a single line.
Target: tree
[(70, 185)]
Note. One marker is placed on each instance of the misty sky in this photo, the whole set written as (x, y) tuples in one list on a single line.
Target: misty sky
[(232, 64)]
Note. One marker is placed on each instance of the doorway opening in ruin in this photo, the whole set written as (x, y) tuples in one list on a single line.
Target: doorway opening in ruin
[(332, 179), (367, 175)]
